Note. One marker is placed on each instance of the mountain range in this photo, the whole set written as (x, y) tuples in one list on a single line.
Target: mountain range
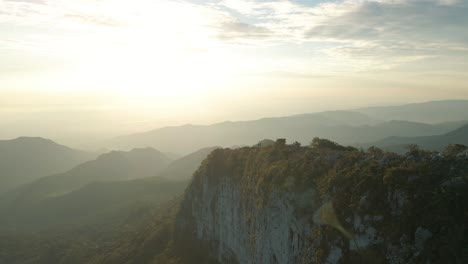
[(272, 202), (346, 127)]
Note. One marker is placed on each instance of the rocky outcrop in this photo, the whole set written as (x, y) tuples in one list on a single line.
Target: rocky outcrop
[(248, 233), (289, 204)]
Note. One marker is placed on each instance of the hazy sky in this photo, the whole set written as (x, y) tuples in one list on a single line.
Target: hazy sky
[(71, 68)]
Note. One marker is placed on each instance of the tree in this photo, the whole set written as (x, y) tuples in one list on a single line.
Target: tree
[(413, 150), (321, 143), (266, 143), (281, 141), (375, 150), (454, 149)]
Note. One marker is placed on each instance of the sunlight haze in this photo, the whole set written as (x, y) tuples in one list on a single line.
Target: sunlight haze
[(116, 67)]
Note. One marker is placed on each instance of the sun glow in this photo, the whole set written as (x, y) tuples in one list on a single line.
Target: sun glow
[(149, 52), (195, 61)]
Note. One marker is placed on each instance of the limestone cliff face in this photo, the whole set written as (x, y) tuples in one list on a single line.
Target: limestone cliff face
[(287, 204), (242, 232)]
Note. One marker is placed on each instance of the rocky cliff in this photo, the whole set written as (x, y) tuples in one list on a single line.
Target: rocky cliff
[(291, 204)]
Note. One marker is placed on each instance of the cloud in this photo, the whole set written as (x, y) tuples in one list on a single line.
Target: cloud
[(57, 14), (285, 20), (375, 33), (371, 33), (416, 21), (42, 2), (95, 19), (400, 32), (234, 30)]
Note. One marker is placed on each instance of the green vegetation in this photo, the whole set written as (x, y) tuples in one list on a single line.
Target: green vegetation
[(325, 144)]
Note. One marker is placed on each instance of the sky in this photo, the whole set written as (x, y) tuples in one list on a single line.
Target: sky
[(87, 69)]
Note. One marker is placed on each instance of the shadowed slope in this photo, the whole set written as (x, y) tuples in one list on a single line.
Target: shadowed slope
[(26, 159)]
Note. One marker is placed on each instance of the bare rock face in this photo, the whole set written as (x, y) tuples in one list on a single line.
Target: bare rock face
[(281, 204), (246, 233)]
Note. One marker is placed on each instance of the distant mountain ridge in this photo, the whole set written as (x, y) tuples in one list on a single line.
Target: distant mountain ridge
[(427, 112), (189, 138), (438, 142), (25, 159), (346, 127)]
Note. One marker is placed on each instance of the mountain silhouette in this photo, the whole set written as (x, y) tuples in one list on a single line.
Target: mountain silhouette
[(28, 158), (438, 142)]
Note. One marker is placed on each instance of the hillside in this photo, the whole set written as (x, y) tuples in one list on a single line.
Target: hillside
[(346, 127), (26, 159), (427, 112), (292, 204), (184, 167), (97, 203), (112, 166), (439, 142)]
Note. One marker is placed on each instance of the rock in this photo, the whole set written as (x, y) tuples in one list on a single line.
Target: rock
[(275, 233), (457, 183), (364, 202), (437, 156), (413, 178), (463, 154), (397, 201), (335, 255), (420, 237)]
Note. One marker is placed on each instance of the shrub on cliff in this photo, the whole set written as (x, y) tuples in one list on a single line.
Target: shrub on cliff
[(325, 144), (454, 149)]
